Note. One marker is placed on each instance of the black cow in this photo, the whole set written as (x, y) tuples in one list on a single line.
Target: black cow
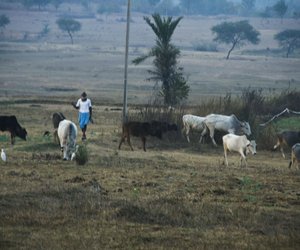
[(287, 138), (144, 129), (159, 127), (57, 117), (10, 124)]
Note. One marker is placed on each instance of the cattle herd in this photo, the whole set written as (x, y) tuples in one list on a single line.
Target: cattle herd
[(235, 139)]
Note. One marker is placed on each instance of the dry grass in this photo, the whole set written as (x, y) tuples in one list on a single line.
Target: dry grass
[(176, 195), (51, 66)]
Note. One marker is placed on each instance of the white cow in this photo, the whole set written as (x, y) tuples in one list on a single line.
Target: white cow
[(295, 158), (67, 134), (238, 144), (229, 124), (192, 122)]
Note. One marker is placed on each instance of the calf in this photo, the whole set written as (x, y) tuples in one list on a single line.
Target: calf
[(192, 122), (287, 138), (144, 129), (238, 144), (10, 124), (295, 158)]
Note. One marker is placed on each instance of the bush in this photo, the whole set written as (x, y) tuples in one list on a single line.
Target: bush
[(81, 155), (205, 46), (286, 99)]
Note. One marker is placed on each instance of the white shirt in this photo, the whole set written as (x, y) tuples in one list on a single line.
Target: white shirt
[(84, 106)]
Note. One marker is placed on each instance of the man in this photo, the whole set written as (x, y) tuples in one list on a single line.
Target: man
[(84, 105)]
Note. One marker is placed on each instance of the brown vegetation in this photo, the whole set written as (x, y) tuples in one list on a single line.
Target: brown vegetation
[(177, 195)]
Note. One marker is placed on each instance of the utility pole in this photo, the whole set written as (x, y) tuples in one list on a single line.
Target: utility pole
[(126, 65)]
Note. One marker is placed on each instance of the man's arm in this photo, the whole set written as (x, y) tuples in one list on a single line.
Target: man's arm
[(74, 105), (91, 112)]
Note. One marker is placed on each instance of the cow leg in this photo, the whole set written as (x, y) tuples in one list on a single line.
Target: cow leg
[(55, 136), (212, 134), (12, 138), (202, 134), (63, 150), (281, 150), (144, 143), (279, 144), (129, 143), (184, 131), (121, 141), (243, 157), (225, 155), (291, 160), (187, 131)]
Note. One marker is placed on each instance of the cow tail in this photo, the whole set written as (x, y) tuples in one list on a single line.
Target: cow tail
[(70, 130)]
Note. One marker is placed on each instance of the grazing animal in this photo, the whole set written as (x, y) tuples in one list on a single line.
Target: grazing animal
[(10, 124), (229, 124), (67, 134), (295, 158), (240, 144), (287, 138), (163, 127), (144, 129), (192, 122), (3, 155), (57, 117)]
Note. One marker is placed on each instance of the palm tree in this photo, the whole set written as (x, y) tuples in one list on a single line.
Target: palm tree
[(174, 85)]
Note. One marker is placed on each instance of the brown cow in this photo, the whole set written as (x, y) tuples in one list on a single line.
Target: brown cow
[(287, 138), (144, 129)]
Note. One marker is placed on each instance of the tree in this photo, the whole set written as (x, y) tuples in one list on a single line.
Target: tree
[(248, 6), (280, 8), (174, 86), (69, 25), (288, 39), (39, 3), (4, 20), (153, 2), (56, 3), (235, 33)]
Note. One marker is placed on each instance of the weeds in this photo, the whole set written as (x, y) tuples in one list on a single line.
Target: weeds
[(81, 154)]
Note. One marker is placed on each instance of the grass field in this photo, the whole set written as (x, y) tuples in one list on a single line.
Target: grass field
[(51, 66), (174, 196)]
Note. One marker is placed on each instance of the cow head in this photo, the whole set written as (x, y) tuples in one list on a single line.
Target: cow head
[(245, 127), (251, 147), (22, 133), (172, 127)]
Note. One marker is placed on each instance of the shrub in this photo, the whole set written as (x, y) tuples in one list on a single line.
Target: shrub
[(286, 99), (81, 155), (204, 46)]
